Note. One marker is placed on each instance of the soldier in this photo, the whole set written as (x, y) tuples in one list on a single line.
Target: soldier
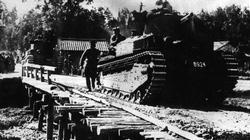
[(92, 55), (60, 62), (116, 37), (67, 64)]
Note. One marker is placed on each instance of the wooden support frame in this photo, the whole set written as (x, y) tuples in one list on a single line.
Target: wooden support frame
[(153, 120), (32, 71), (50, 119)]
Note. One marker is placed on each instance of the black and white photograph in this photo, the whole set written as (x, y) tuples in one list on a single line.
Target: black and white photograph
[(124, 69)]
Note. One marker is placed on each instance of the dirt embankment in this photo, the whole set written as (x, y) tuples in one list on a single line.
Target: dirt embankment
[(15, 124), (14, 119), (12, 93)]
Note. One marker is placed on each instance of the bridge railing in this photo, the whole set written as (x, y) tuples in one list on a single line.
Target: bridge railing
[(38, 72)]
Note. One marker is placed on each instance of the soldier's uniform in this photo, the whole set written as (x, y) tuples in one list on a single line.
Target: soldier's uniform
[(92, 56), (116, 37)]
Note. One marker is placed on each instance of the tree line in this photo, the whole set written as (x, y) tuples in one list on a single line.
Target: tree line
[(70, 19), (230, 23)]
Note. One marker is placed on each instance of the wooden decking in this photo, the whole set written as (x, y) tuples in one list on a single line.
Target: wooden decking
[(80, 115)]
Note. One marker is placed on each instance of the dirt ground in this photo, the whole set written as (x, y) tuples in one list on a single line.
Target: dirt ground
[(231, 122), (15, 124), (209, 124)]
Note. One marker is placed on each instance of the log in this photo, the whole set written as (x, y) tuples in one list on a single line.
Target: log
[(115, 113), (157, 135), (90, 112), (160, 123), (69, 108), (116, 121), (115, 128), (153, 120), (132, 133)]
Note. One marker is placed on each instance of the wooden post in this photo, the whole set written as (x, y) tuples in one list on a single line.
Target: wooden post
[(41, 74), (50, 119), (28, 73), (30, 95), (48, 77), (63, 133), (40, 119), (36, 76), (31, 72), (60, 128), (66, 131), (23, 74)]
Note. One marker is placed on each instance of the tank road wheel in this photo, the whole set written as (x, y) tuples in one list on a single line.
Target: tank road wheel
[(115, 93), (109, 92), (126, 97), (103, 91), (147, 68), (138, 97), (132, 97)]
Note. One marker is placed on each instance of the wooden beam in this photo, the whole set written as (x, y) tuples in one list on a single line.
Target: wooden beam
[(151, 119), (90, 112), (115, 128), (41, 74), (69, 108), (157, 135), (129, 132)]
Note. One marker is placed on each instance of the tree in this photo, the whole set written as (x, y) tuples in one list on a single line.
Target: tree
[(165, 6), (123, 20), (229, 23), (8, 37), (29, 28), (65, 19)]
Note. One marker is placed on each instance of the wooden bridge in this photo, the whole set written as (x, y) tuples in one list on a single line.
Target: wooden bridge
[(78, 114)]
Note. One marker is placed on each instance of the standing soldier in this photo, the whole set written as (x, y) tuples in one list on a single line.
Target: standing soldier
[(92, 55), (116, 37), (67, 64), (60, 62)]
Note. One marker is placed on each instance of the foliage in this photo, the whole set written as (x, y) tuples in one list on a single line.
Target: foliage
[(165, 6), (8, 36), (229, 23), (69, 19), (123, 20), (29, 28), (64, 19)]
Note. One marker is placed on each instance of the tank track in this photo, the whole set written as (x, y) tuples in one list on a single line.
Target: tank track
[(232, 66), (145, 91)]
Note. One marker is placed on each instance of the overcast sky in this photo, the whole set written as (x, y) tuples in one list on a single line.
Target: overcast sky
[(114, 5)]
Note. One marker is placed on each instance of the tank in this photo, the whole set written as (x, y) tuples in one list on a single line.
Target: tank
[(43, 52), (172, 61)]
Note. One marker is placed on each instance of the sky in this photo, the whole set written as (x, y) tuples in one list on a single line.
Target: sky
[(114, 5)]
